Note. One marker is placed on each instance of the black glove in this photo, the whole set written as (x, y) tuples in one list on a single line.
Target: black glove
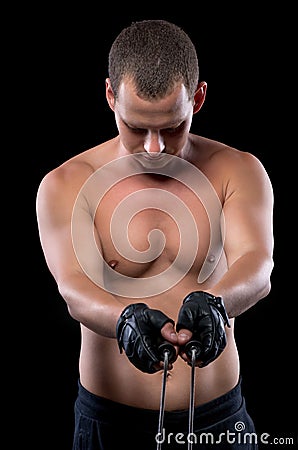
[(138, 333), (205, 316)]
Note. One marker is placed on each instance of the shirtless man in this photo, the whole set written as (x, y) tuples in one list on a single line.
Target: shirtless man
[(156, 234)]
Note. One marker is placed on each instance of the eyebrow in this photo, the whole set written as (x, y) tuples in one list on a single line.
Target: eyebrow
[(173, 125)]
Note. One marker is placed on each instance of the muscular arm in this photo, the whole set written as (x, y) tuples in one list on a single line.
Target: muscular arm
[(87, 302), (247, 236), (248, 240)]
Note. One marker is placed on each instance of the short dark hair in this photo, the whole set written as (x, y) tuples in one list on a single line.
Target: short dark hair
[(155, 55)]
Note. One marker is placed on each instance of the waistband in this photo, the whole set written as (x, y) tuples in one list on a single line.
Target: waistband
[(109, 411)]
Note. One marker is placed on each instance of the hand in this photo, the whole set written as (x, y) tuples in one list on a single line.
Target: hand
[(205, 316), (138, 332)]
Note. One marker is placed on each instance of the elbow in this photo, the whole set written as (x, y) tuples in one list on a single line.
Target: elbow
[(72, 312), (65, 293), (266, 285), (266, 290)]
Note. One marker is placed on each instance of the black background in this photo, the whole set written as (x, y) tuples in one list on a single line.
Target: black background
[(60, 93)]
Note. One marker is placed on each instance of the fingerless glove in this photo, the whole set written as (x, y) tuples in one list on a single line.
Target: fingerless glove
[(205, 316), (138, 333)]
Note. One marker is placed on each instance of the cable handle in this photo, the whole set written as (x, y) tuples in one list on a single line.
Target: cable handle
[(165, 346), (193, 345)]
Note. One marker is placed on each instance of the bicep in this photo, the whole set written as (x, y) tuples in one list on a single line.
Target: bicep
[(248, 212), (66, 231)]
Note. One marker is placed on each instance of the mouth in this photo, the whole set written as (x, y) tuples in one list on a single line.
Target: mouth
[(153, 161), (154, 155)]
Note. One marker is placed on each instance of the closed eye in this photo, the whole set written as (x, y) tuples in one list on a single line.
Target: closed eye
[(137, 130), (173, 130)]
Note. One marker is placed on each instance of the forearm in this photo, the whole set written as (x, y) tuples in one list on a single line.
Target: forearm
[(90, 305), (245, 283)]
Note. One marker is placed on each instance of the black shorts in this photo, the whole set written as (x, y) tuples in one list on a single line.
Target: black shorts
[(102, 424)]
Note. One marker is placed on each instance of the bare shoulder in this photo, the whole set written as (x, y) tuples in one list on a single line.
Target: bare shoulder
[(61, 185), (68, 178), (244, 169), (231, 163)]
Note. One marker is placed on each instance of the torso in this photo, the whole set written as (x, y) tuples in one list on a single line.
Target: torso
[(103, 370)]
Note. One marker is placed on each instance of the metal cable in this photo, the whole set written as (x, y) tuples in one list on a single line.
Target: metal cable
[(191, 398), (162, 398)]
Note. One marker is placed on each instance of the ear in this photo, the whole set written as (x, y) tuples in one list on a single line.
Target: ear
[(199, 96), (110, 94)]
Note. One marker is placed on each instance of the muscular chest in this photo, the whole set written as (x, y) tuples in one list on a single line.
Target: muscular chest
[(147, 223)]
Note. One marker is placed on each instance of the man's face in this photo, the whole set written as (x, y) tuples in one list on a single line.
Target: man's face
[(154, 127)]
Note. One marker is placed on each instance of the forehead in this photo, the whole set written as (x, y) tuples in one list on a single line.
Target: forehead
[(133, 109)]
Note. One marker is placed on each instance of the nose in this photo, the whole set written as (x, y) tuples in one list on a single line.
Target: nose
[(154, 143)]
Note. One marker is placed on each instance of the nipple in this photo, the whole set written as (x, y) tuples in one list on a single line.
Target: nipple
[(113, 263), (211, 258)]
